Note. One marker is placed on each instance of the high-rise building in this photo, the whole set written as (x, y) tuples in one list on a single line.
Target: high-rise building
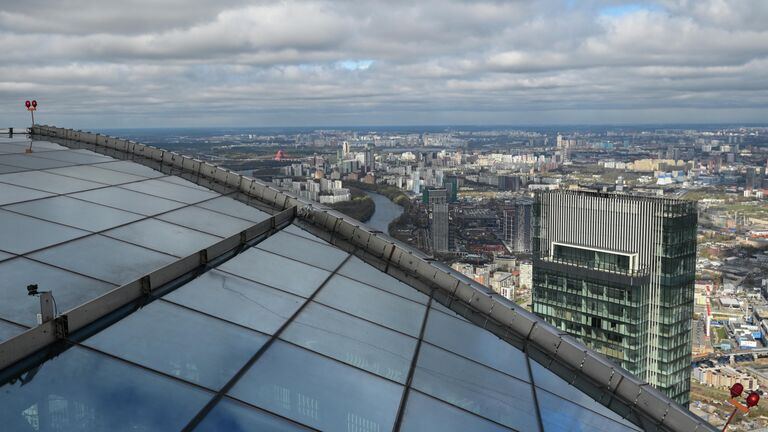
[(518, 227), (345, 149), (437, 199), (617, 272)]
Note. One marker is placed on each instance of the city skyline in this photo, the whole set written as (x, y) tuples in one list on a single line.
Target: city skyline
[(137, 63)]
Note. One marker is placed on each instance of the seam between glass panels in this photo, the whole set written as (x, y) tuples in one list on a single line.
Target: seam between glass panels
[(195, 421), (464, 410), (339, 274), (632, 427), (94, 233), (412, 368), (533, 390)]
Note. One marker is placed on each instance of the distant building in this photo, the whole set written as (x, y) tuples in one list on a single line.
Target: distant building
[(518, 228), (617, 272), (437, 199)]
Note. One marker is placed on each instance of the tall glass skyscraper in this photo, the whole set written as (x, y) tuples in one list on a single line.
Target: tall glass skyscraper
[(617, 272)]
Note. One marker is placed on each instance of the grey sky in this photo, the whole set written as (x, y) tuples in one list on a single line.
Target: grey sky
[(134, 63)]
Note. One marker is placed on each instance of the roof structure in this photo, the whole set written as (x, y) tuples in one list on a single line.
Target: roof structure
[(192, 298)]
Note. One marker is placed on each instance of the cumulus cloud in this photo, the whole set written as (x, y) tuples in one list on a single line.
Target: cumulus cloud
[(323, 62)]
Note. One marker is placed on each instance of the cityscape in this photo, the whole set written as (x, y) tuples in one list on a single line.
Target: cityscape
[(474, 197), (444, 215)]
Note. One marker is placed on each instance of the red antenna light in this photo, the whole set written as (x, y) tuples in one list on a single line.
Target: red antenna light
[(34, 104), (753, 399), (27, 104), (736, 390)]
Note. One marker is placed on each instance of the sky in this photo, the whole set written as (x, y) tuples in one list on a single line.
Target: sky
[(181, 63)]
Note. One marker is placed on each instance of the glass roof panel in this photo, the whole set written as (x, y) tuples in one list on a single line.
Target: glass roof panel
[(4, 256), (357, 269), (8, 330), (48, 182), (10, 169), (319, 392), (21, 234), (475, 388), (295, 230), (83, 391), (353, 341), (96, 174), (180, 342), (471, 341), (68, 289), (237, 300), (129, 200), (75, 156), (170, 191), (373, 304), (547, 380), (105, 258), (132, 168), (31, 162), (10, 194), (232, 416), (558, 414), (234, 208), (164, 237), (424, 413), (79, 214), (276, 271), (304, 250), (207, 221)]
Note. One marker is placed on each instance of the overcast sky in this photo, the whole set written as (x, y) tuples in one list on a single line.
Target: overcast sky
[(135, 63)]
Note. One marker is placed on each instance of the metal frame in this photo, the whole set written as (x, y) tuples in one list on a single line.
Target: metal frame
[(589, 371)]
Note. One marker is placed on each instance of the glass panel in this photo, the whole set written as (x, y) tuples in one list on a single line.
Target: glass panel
[(547, 380), (559, 414), (234, 208), (105, 258), (9, 169), (10, 194), (31, 162), (238, 300), (4, 256), (180, 342), (8, 330), (373, 304), (76, 213), (21, 234), (475, 388), (275, 271), (353, 341), (232, 416), (445, 310), (291, 246), (319, 392), (83, 391), (129, 200), (44, 145), (48, 182), (170, 191), (424, 413), (68, 289), (132, 168), (96, 174), (183, 182), (207, 221), (164, 237), (471, 341), (74, 156), (293, 229), (357, 269)]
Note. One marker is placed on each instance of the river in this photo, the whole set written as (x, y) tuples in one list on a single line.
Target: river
[(386, 211)]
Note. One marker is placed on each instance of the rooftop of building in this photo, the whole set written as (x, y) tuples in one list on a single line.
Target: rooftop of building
[(191, 297)]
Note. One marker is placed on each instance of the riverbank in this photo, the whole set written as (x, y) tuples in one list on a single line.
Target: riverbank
[(386, 212), (360, 207)]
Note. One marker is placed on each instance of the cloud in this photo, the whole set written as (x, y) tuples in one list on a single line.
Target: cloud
[(236, 62)]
